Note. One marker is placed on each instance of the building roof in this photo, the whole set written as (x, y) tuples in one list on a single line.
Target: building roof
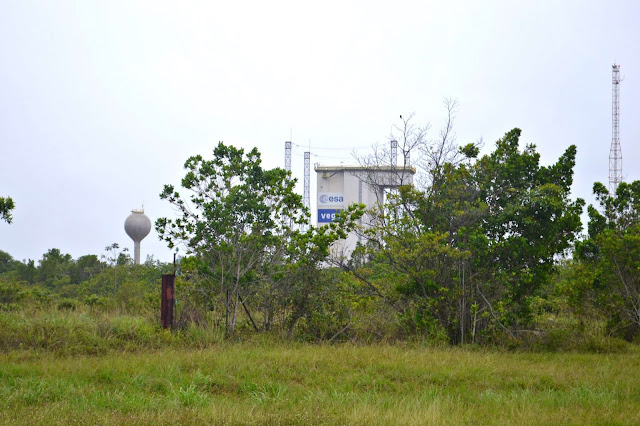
[(389, 168)]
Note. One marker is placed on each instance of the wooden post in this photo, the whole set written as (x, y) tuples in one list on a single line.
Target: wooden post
[(167, 314)]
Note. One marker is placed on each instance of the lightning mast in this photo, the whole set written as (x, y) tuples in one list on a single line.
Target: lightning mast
[(307, 180), (394, 153), (287, 167), (287, 156), (615, 152)]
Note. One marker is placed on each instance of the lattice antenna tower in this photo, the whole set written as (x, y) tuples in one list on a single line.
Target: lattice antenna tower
[(394, 153), (615, 152), (287, 167), (307, 180), (287, 156)]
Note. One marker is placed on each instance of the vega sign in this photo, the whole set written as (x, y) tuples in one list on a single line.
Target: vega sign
[(330, 199), (327, 215)]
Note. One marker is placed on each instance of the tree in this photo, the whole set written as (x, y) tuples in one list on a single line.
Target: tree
[(612, 252), (114, 256), (308, 282), (6, 205), (238, 221), (53, 269), (466, 252), (85, 267), (529, 221), (7, 263)]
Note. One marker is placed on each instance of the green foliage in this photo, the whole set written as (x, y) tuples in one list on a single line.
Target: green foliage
[(235, 221), (53, 269), (472, 256), (470, 150), (242, 228), (320, 303), (465, 254), (530, 218), (6, 205), (7, 263), (58, 282), (67, 304), (611, 254), (11, 293)]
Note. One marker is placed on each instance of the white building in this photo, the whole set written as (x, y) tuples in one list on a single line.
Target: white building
[(340, 186)]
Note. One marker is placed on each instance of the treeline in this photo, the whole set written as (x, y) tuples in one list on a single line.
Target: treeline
[(479, 250), (111, 281)]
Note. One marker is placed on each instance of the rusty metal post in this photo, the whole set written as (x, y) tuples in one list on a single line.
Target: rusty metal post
[(167, 313)]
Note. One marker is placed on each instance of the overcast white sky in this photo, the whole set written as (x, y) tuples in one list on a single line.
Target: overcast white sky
[(101, 102)]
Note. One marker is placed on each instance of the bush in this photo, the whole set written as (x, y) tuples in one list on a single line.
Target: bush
[(562, 333), (67, 305), (11, 293)]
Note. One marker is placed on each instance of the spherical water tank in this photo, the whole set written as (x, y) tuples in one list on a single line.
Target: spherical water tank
[(137, 226)]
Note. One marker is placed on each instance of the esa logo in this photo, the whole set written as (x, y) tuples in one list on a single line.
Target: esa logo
[(330, 199)]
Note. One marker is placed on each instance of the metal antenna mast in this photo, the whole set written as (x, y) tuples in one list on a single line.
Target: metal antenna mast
[(307, 180), (394, 153), (615, 153), (287, 156)]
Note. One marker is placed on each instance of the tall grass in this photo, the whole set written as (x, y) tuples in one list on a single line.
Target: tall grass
[(85, 331), (89, 330), (88, 366), (259, 382)]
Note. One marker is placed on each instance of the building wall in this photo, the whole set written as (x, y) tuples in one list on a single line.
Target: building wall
[(338, 187)]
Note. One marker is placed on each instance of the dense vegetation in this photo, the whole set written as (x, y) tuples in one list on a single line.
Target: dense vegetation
[(481, 250)]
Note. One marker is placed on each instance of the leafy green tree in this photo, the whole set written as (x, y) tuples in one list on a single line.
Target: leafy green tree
[(465, 253), (612, 252), (530, 219), (27, 272), (309, 287), (85, 267), (54, 269), (237, 221), (7, 263), (6, 205)]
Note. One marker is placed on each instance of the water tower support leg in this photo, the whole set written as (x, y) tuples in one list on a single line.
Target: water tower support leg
[(136, 252)]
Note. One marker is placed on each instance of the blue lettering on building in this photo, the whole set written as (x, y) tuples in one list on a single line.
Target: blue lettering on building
[(327, 215), (329, 199)]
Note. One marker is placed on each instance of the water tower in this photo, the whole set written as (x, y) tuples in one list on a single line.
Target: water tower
[(137, 226)]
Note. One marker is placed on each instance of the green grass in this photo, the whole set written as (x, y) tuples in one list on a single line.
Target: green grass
[(83, 332), (256, 382)]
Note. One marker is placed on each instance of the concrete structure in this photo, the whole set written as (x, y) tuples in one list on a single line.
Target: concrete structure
[(137, 226), (340, 186)]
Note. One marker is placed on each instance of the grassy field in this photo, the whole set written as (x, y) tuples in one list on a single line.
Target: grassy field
[(249, 383)]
